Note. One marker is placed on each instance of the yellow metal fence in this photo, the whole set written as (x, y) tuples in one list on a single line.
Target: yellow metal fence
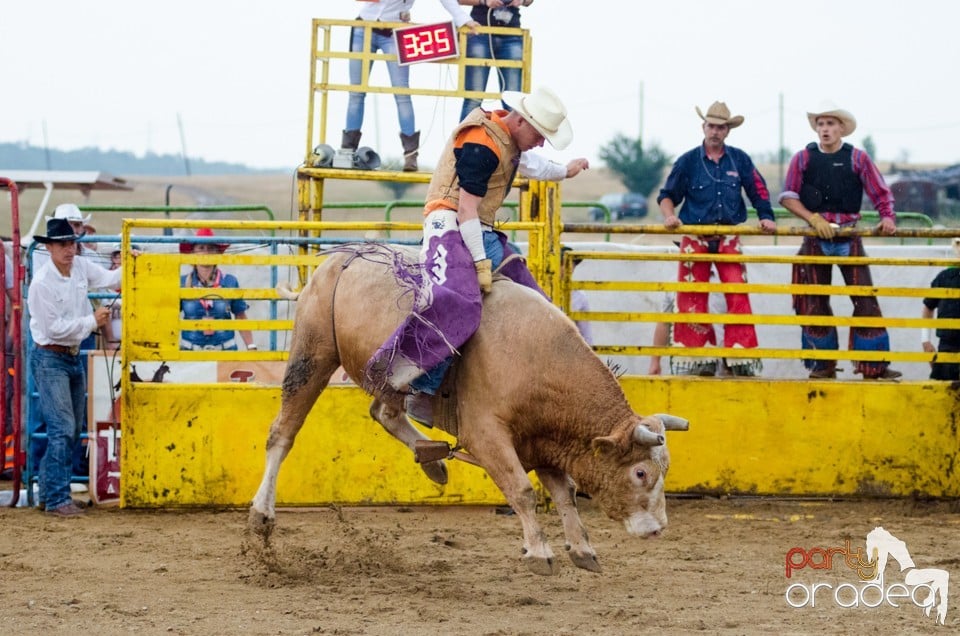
[(789, 349), (202, 443)]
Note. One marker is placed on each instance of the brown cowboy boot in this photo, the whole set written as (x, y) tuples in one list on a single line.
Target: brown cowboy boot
[(350, 140), (411, 145)]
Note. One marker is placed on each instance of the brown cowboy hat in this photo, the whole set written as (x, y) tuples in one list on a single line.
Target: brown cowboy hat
[(719, 114), (187, 248)]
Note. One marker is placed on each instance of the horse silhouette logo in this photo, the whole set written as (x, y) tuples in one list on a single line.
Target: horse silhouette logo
[(882, 546)]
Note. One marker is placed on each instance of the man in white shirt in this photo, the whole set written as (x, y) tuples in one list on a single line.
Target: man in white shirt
[(533, 166), (60, 318)]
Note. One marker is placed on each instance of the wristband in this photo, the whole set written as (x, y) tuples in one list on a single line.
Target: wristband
[(472, 235), (924, 335)]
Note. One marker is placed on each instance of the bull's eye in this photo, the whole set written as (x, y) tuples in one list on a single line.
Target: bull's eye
[(641, 474)]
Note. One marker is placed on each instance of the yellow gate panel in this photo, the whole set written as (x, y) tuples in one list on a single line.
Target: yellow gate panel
[(201, 445), (151, 302), (781, 437)]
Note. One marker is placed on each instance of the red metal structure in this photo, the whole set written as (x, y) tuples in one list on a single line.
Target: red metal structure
[(16, 315)]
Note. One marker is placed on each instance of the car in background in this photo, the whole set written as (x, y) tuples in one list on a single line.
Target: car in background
[(622, 205)]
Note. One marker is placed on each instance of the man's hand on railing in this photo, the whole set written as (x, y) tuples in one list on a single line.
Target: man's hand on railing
[(887, 226), (672, 222)]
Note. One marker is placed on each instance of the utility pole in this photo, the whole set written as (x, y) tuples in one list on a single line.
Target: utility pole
[(780, 152), (640, 131), (46, 146), (183, 145)]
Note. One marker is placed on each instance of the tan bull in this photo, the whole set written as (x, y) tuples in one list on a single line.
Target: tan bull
[(531, 395)]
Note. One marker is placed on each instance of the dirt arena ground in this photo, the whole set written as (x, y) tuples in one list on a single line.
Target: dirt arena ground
[(720, 568)]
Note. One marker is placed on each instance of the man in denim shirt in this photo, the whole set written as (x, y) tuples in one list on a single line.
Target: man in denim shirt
[(709, 181)]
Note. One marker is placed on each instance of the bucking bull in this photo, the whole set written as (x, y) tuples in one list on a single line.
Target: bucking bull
[(529, 392)]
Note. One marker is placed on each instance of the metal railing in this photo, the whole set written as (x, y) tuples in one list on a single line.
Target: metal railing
[(868, 217), (777, 321)]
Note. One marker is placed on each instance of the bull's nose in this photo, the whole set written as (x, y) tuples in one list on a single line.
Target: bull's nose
[(644, 525)]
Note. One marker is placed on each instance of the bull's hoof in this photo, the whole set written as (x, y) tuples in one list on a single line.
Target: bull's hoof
[(436, 471), (585, 560), (540, 565), (260, 525)]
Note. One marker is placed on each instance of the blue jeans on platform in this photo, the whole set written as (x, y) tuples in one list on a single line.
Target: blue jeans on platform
[(491, 47), (61, 384), (399, 78)]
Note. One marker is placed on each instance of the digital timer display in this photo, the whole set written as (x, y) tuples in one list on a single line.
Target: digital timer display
[(425, 43)]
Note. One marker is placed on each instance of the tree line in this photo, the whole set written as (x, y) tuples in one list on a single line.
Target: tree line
[(18, 156)]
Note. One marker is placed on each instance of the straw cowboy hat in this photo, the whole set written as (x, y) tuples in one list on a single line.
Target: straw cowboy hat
[(829, 109), (58, 231), (70, 212), (187, 248), (719, 114), (545, 112)]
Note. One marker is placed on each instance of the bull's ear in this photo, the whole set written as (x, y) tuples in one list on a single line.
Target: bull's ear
[(605, 444)]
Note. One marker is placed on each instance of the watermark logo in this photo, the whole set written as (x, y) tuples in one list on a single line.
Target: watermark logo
[(925, 588)]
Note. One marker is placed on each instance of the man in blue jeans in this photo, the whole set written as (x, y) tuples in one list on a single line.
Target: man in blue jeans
[(60, 318), (382, 40), (493, 13)]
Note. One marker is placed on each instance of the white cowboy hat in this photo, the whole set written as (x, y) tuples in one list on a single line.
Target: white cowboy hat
[(545, 112), (829, 109), (70, 212), (719, 114)]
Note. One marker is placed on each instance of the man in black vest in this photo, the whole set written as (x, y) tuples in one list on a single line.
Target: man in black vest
[(825, 185)]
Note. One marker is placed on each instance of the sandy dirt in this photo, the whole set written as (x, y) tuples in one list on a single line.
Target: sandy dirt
[(720, 568)]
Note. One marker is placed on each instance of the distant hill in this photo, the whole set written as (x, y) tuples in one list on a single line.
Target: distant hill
[(26, 157)]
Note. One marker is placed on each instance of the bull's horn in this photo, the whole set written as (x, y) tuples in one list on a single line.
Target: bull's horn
[(284, 291), (645, 437), (673, 423)]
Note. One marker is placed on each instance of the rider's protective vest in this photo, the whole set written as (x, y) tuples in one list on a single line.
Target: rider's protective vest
[(829, 182), (445, 185)]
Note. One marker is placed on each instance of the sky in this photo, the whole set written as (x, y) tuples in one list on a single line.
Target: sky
[(121, 75)]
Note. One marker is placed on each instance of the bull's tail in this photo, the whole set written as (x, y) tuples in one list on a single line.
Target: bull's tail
[(286, 292)]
